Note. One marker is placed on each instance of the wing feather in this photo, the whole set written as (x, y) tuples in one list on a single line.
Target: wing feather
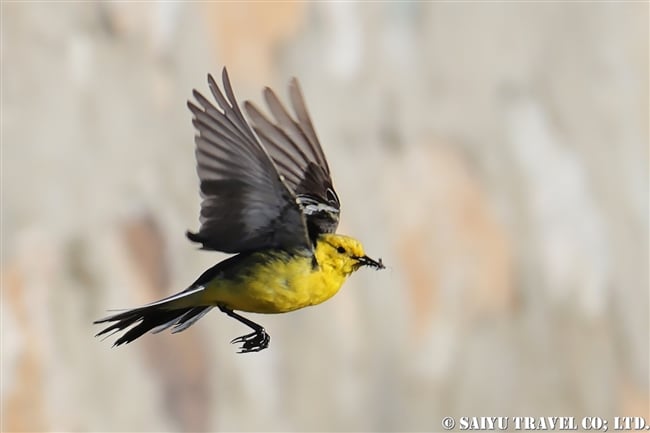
[(246, 204), (292, 143), (304, 120), (283, 149)]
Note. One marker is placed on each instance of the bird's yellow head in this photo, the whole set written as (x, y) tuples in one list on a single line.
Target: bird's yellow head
[(343, 254)]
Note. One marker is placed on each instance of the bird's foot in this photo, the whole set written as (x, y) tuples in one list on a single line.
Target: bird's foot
[(253, 342)]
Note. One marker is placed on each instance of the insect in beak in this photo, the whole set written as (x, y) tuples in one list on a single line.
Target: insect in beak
[(367, 261)]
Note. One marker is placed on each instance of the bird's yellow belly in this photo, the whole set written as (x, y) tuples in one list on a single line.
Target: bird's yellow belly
[(275, 286)]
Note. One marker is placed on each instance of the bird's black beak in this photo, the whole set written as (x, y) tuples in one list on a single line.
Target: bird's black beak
[(367, 261)]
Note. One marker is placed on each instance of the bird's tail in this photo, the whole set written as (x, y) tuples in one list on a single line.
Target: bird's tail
[(172, 312)]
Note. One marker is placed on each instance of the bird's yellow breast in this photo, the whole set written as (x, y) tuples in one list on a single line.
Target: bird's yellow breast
[(274, 282)]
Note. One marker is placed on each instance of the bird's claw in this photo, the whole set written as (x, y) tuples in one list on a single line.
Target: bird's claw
[(253, 342)]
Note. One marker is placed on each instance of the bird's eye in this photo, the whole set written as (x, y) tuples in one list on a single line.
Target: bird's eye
[(341, 250)]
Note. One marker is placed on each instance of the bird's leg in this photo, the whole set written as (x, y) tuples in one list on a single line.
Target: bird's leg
[(253, 342)]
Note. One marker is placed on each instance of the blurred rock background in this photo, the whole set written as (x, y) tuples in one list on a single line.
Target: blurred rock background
[(495, 155)]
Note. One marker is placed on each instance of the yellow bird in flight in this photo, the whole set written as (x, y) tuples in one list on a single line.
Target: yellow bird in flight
[(267, 196)]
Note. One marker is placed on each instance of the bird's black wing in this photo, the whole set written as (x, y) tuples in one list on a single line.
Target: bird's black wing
[(294, 147), (246, 203)]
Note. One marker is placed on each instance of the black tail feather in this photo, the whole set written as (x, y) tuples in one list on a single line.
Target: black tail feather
[(153, 317)]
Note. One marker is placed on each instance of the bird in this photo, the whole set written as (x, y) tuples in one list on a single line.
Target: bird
[(268, 199)]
